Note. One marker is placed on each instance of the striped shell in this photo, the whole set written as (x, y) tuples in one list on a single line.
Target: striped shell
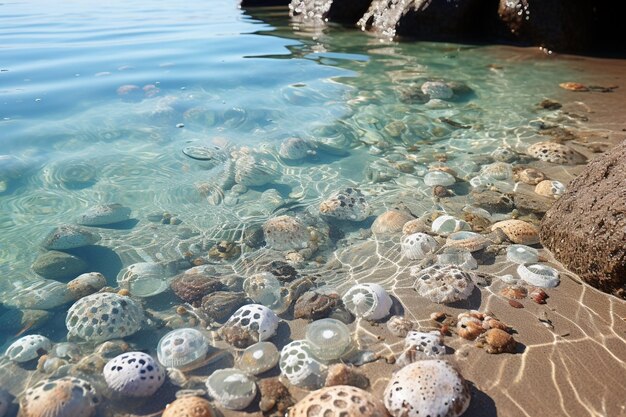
[(65, 397), (390, 222), (417, 245)]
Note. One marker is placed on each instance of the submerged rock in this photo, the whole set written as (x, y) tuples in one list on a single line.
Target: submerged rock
[(70, 237), (313, 305), (15, 320), (286, 233), (42, 294), (86, 284), (342, 374), (219, 305), (104, 214), (192, 287), (275, 398), (58, 265)]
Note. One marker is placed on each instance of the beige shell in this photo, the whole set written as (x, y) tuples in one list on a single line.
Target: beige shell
[(549, 188), (339, 401), (189, 406), (530, 176), (415, 226), (518, 231), (499, 341), (65, 397), (390, 222), (555, 153)]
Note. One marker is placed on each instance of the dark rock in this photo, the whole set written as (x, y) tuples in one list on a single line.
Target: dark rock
[(275, 398), (219, 306), (560, 25), (586, 228), (14, 320), (59, 266), (550, 104), (313, 305), (347, 11), (263, 3), (299, 287), (491, 200), (239, 337), (283, 271), (191, 287)]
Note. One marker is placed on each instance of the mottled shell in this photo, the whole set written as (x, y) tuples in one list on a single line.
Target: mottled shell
[(339, 401), (254, 318), (514, 292), (414, 226), (348, 204), (555, 153), (69, 237), (427, 388), (549, 188), (294, 148), (65, 397), (399, 326), (134, 374), (417, 245), (189, 406), (421, 345), (390, 222), (28, 348), (286, 233), (443, 284), (518, 231)]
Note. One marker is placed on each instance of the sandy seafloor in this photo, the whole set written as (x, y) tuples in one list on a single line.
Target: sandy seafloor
[(575, 367)]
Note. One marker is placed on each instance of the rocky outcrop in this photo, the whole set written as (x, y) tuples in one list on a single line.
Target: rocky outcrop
[(586, 227)]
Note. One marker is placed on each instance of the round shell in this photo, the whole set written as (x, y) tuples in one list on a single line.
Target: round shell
[(348, 204), (518, 231), (421, 345), (256, 319), (369, 301), (28, 348), (435, 178), (258, 358), (143, 279), (65, 397), (539, 275), (549, 188), (443, 284), (390, 222), (134, 374), (231, 388), (329, 339), (427, 388), (445, 225), (286, 233), (339, 401), (522, 254), (189, 406), (300, 367), (417, 245), (264, 288), (104, 316), (437, 90), (181, 348)]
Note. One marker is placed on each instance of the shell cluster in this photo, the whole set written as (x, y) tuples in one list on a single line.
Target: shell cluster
[(104, 316)]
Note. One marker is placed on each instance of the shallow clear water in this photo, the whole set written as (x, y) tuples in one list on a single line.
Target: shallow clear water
[(97, 102)]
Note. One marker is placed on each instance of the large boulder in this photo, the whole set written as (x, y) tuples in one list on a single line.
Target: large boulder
[(586, 227)]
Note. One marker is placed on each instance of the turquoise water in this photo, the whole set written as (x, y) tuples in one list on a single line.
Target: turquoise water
[(98, 101)]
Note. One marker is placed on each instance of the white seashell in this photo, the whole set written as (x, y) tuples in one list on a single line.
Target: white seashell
[(434, 178), (421, 345), (443, 284), (300, 367), (104, 316), (427, 388), (264, 288), (539, 275), (134, 374), (28, 348), (181, 348), (143, 279), (446, 224), (369, 301), (460, 258), (256, 318), (417, 245), (64, 397), (231, 388), (522, 254), (328, 339)]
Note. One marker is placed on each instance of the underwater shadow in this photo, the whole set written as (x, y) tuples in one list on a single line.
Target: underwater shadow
[(125, 225), (100, 259), (471, 303), (481, 405)]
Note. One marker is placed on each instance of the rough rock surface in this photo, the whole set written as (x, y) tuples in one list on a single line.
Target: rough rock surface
[(586, 227)]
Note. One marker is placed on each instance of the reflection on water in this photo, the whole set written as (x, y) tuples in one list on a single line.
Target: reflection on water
[(206, 122)]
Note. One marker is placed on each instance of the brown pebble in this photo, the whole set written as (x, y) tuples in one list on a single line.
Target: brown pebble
[(440, 191), (499, 341), (341, 374), (538, 296), (124, 292), (516, 304), (571, 86), (180, 310)]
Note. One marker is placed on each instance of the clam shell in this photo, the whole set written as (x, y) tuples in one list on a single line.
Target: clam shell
[(390, 222), (518, 231)]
